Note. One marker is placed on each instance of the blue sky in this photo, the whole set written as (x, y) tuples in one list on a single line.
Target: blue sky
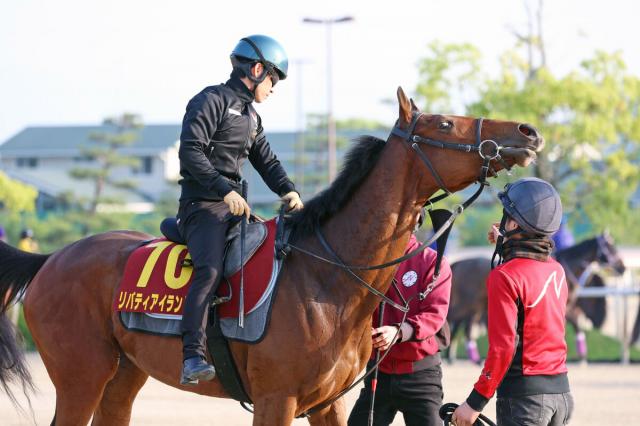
[(75, 62)]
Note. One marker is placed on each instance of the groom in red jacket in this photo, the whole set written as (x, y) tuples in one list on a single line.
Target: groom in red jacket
[(410, 377)]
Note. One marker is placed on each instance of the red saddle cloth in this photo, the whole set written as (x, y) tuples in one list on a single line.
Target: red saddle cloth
[(156, 282)]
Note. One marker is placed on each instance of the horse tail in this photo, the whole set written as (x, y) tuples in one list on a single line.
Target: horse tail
[(17, 269)]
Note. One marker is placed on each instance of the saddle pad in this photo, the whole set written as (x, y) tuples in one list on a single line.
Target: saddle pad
[(156, 282), (255, 322), (154, 279)]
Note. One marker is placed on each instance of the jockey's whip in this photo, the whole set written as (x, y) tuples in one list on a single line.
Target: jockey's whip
[(374, 380), (446, 411), (243, 233)]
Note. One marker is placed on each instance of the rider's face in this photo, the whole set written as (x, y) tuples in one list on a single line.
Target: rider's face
[(264, 89)]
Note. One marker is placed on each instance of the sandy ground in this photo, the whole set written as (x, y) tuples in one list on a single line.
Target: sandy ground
[(605, 394)]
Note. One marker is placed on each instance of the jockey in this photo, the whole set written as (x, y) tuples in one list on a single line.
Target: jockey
[(220, 130), (527, 298)]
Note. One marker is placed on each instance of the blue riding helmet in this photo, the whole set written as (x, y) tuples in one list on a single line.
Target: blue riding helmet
[(263, 49), (534, 204)]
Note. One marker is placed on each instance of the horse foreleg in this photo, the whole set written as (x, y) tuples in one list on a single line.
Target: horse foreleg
[(333, 415), (470, 343), (581, 338), (274, 410), (117, 399), (453, 344)]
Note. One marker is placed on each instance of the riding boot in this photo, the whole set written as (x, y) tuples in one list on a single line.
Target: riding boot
[(195, 369)]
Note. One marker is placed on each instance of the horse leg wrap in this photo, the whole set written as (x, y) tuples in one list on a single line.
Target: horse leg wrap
[(472, 351), (581, 344)]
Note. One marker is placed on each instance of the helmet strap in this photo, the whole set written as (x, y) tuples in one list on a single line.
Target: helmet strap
[(496, 259), (267, 66)]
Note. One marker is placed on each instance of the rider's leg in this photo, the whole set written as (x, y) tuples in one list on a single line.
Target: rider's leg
[(204, 225)]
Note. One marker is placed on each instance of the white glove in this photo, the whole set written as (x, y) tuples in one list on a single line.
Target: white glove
[(293, 201), (237, 205)]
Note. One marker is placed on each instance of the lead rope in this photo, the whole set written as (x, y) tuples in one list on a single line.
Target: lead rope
[(374, 380), (446, 411)]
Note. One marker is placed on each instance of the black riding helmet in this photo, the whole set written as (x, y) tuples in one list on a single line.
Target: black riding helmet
[(263, 49), (534, 204)]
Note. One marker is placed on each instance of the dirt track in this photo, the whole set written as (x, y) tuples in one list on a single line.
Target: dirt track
[(605, 394)]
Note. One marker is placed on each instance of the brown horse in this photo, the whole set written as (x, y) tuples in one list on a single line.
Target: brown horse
[(469, 294), (319, 337)]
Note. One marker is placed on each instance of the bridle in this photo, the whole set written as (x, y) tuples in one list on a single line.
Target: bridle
[(409, 137), (603, 256), (479, 147), (413, 139)]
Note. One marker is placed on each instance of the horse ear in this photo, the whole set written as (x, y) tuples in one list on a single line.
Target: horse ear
[(405, 106), (413, 105)]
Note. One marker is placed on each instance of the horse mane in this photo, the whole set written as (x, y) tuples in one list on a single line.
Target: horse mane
[(359, 161)]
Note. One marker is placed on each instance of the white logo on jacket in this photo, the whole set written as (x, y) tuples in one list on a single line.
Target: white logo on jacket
[(234, 112), (557, 286), (409, 278)]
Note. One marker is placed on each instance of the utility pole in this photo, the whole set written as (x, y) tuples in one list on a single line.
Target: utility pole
[(331, 125)]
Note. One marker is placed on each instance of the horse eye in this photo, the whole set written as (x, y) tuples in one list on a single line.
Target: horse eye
[(445, 125)]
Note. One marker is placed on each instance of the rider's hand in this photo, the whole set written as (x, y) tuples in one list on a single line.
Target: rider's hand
[(494, 233), (237, 205), (293, 201), (384, 336), (464, 415)]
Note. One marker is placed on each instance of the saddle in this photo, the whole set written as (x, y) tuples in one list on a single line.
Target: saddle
[(254, 238)]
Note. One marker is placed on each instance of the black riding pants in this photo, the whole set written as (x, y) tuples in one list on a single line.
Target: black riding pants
[(418, 396), (204, 225), (549, 409)]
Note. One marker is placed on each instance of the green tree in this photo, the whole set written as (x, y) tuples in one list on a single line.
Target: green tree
[(104, 149), (15, 196), (589, 118)]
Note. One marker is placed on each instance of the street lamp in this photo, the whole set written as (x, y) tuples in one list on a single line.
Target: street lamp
[(331, 125)]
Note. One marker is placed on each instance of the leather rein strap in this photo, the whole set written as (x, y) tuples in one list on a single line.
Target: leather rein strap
[(414, 139)]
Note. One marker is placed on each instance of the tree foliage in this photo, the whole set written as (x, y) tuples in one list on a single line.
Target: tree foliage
[(589, 118), (104, 149), (16, 196)]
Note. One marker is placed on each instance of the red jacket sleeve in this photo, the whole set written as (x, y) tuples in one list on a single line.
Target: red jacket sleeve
[(502, 323), (433, 309)]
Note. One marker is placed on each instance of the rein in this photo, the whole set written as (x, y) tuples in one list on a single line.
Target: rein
[(413, 140)]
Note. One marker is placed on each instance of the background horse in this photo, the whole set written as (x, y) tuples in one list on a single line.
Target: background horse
[(319, 335), (468, 305)]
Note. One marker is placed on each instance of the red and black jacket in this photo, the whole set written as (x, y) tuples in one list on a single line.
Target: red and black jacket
[(419, 346), (527, 301)]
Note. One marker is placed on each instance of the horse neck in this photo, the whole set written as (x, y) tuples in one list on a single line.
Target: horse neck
[(579, 257), (375, 225)]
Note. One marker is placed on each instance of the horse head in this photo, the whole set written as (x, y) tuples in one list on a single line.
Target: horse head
[(464, 143), (607, 254)]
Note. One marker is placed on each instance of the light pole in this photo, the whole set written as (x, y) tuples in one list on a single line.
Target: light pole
[(331, 125)]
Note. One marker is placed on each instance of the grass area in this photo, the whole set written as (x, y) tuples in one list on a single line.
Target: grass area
[(600, 348)]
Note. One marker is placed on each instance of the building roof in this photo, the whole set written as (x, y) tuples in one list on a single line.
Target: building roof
[(66, 141)]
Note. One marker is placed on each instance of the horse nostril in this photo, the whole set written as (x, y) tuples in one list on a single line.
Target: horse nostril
[(528, 130)]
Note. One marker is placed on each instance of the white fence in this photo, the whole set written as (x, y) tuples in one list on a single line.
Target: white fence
[(622, 293)]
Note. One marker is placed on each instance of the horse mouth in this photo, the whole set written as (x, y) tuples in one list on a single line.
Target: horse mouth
[(522, 156)]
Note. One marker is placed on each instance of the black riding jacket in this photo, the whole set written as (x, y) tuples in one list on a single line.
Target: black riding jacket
[(220, 130)]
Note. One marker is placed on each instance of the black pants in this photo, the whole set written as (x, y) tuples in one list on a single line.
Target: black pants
[(418, 396), (204, 225), (549, 409)]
